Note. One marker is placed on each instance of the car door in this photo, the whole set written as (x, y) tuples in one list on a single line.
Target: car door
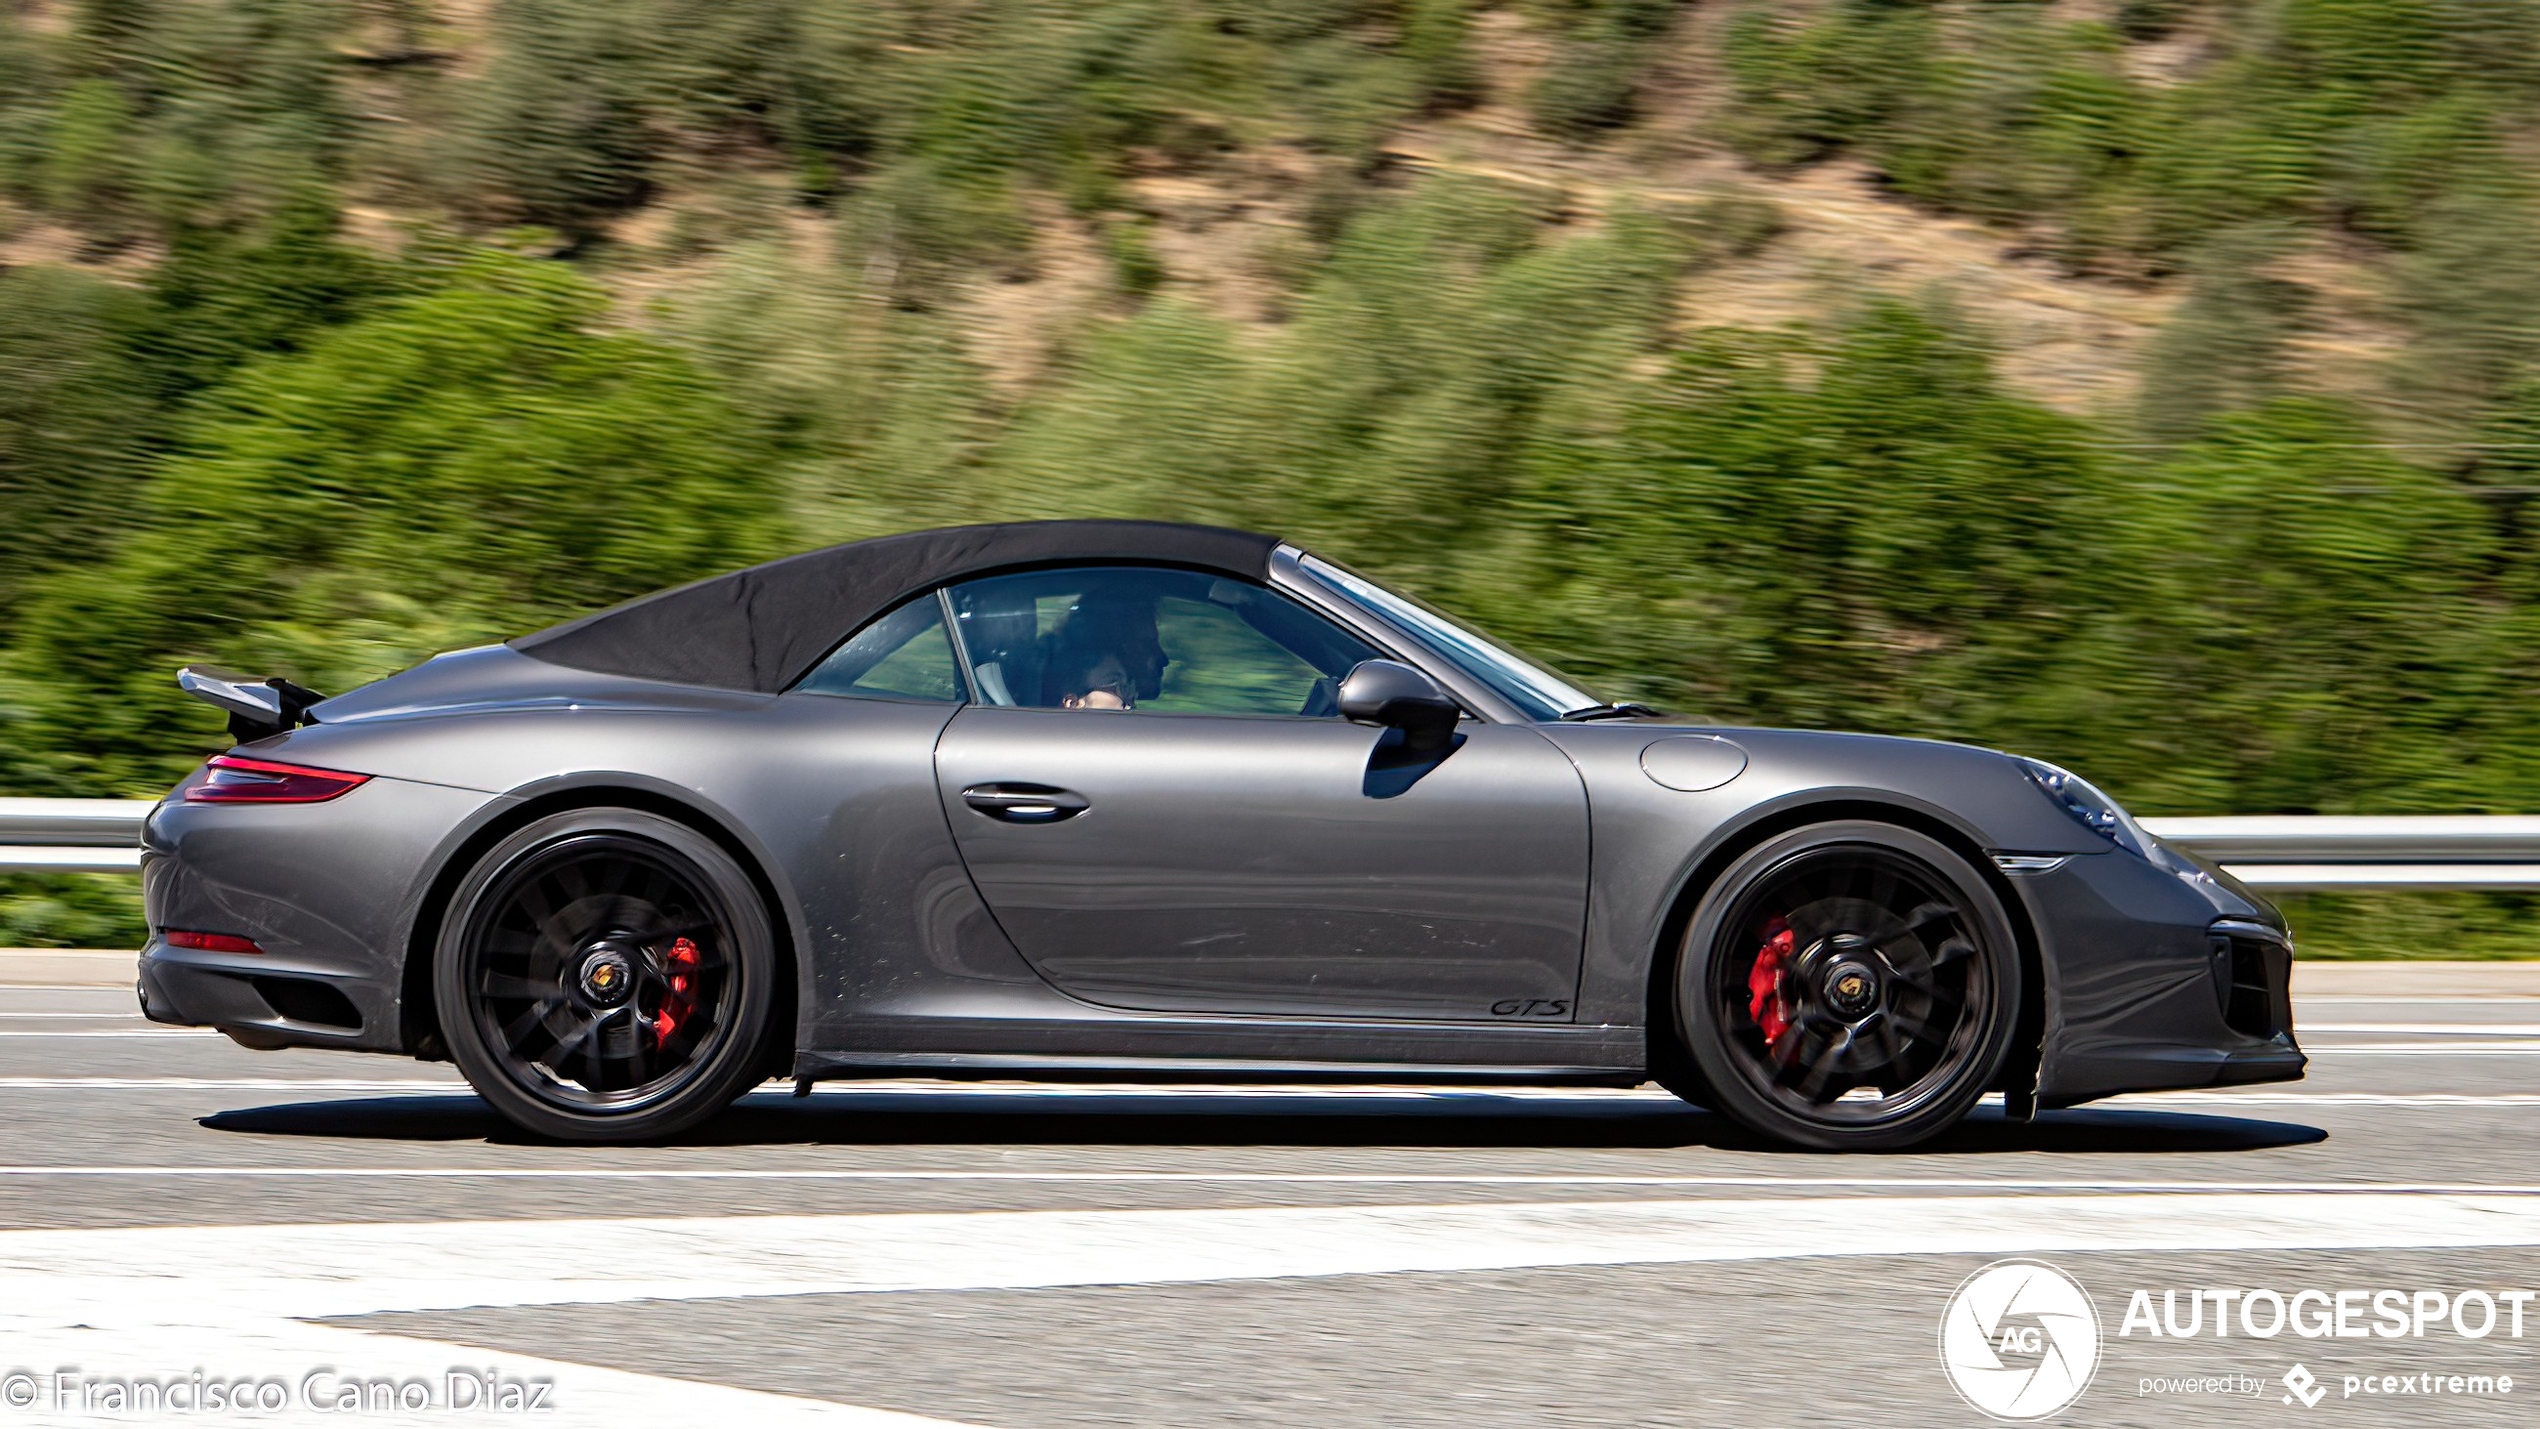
[(1159, 804)]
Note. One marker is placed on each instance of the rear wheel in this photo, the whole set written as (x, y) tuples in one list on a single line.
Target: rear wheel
[(606, 975), (1848, 986)]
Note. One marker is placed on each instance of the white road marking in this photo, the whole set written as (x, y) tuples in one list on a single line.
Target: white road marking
[(1269, 1178), (162, 1300), (1599, 1097), (2517, 1048), (87, 1016), (2302, 1000), (1069, 1091), (116, 1032), (2155, 1100), (307, 1271), (417, 1085), (2465, 1029), (232, 1295)]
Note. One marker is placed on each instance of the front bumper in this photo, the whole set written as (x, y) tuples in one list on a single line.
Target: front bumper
[(2157, 980)]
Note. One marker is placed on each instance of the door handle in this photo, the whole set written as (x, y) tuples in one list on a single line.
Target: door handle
[(1025, 803)]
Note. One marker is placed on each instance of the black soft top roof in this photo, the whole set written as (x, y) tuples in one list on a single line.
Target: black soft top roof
[(763, 627)]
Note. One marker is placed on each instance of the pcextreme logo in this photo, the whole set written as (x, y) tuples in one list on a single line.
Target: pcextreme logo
[(2019, 1339)]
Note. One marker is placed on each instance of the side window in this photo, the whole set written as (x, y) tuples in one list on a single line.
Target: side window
[(1143, 638), (904, 655)]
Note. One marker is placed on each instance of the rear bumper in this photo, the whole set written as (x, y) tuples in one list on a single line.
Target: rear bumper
[(267, 1002), (2157, 982), (329, 891)]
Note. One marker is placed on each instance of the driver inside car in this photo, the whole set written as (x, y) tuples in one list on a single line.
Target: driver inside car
[(1106, 654), (1096, 682)]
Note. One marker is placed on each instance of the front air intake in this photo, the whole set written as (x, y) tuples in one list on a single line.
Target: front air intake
[(2253, 978)]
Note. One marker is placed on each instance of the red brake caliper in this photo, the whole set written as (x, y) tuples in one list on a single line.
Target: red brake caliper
[(677, 1005), (1765, 1002)]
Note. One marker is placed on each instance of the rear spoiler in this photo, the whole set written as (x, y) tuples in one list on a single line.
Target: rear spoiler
[(256, 708)]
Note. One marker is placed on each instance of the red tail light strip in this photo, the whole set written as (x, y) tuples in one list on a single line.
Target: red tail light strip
[(209, 942), (261, 781)]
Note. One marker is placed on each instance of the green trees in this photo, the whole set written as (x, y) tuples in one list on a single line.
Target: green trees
[(75, 415), (2307, 624), (942, 110), (1863, 533), (2360, 112), (462, 465)]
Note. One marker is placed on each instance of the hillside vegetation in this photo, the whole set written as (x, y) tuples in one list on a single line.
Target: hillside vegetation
[(2149, 385)]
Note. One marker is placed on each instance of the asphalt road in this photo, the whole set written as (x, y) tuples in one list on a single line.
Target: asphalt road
[(1051, 1257)]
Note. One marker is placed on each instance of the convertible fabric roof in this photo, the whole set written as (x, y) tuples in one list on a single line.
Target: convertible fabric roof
[(764, 627)]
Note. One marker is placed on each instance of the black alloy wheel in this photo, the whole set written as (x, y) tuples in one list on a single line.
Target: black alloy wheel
[(606, 975), (1848, 986)]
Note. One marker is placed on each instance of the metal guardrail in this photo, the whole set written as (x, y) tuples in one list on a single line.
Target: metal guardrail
[(2289, 852), (2326, 852), (71, 835)]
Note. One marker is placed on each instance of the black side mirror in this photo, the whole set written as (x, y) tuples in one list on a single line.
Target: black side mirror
[(1397, 696)]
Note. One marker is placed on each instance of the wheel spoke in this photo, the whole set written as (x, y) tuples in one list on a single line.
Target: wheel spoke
[(584, 1026), (529, 1021), (1915, 1026), (495, 984), (1890, 1039), (1915, 972), (546, 916), (581, 1039), (1823, 1066)]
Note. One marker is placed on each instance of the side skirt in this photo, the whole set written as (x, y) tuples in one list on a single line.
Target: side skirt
[(957, 1068), (1232, 1050)]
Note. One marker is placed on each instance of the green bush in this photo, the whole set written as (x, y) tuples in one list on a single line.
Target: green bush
[(75, 420), (1593, 80), (71, 910), (467, 463), (2364, 112)]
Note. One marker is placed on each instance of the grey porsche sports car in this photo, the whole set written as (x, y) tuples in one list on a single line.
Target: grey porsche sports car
[(1121, 800)]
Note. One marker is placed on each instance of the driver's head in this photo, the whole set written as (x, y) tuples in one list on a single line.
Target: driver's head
[(1096, 680), (1122, 620)]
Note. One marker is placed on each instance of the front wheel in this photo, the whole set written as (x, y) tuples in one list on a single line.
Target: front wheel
[(1848, 986), (606, 975)]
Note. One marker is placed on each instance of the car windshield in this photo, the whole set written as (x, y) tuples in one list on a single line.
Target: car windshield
[(1538, 692)]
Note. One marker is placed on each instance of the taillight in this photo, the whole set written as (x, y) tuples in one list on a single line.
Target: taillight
[(209, 942), (261, 781)]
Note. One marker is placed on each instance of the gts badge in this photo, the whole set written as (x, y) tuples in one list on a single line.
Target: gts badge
[(1531, 1007)]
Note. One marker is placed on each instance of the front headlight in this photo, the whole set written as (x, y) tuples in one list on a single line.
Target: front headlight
[(2095, 811)]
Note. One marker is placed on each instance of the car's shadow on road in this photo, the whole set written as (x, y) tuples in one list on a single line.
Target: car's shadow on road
[(1061, 1117)]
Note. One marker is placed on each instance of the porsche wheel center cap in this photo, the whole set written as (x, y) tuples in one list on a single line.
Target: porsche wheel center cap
[(607, 977), (1852, 989)]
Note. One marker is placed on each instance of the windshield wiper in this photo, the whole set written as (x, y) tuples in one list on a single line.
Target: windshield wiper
[(1626, 710)]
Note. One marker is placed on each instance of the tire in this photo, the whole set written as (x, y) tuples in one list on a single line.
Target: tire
[(606, 975), (1847, 987)]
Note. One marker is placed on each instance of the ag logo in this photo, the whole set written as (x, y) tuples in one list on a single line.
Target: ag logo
[(2019, 1339)]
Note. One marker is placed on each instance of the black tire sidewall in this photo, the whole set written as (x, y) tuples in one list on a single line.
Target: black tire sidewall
[(1705, 1040), (734, 1065)]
